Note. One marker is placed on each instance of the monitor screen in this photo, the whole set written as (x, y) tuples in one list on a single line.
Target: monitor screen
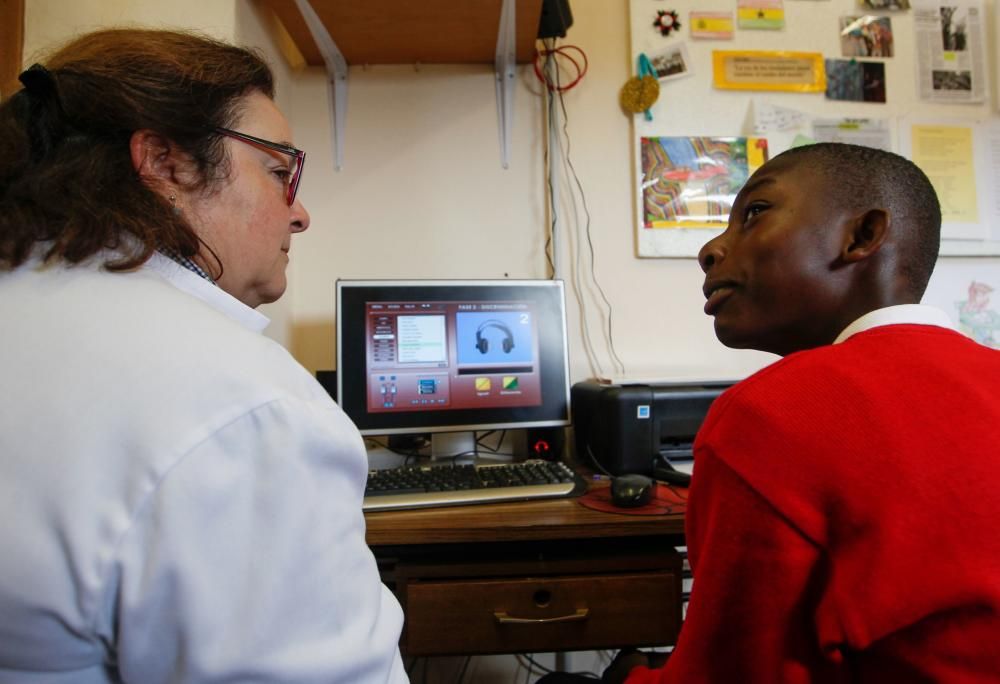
[(425, 356)]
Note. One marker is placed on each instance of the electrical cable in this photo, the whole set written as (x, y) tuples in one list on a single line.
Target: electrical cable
[(593, 459), (552, 78), (553, 141), (552, 196), (550, 53), (590, 242)]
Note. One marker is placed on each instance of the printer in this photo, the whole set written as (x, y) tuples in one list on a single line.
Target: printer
[(625, 427)]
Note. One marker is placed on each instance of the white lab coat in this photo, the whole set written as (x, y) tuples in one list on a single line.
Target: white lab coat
[(180, 501)]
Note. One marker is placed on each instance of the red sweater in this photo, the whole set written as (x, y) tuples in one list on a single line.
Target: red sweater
[(844, 519)]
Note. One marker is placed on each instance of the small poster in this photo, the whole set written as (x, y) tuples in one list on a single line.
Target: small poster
[(766, 70), (946, 154), (760, 14), (847, 79), (770, 118), (867, 132), (962, 160), (711, 25)]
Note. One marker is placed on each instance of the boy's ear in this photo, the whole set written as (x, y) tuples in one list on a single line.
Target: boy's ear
[(155, 159), (865, 235)]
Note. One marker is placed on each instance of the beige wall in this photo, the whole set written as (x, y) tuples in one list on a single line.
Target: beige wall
[(49, 22), (422, 193)]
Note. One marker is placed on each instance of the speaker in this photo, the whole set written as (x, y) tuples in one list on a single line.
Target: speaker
[(547, 443), (483, 344), (556, 18)]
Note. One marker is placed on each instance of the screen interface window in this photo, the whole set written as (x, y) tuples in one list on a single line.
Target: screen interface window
[(451, 355)]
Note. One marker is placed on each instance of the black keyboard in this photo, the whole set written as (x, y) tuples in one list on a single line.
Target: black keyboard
[(450, 485)]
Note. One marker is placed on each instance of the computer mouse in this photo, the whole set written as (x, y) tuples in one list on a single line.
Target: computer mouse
[(630, 491)]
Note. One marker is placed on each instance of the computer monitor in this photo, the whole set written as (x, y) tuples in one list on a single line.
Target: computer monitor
[(439, 356)]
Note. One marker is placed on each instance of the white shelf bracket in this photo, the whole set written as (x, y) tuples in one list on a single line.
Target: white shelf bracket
[(336, 74), (504, 65)]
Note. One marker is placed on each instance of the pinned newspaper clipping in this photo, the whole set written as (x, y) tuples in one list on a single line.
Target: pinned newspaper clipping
[(950, 51)]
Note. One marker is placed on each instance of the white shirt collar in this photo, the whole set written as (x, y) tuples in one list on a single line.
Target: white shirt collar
[(208, 292), (919, 314)]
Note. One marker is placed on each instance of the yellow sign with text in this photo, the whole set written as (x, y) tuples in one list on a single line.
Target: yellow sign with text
[(766, 70)]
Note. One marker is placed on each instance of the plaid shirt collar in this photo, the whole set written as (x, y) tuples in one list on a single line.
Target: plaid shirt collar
[(188, 264)]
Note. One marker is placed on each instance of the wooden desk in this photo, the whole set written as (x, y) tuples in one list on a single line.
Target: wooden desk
[(534, 576)]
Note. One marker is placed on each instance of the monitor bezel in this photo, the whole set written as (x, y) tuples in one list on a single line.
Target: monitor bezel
[(555, 408)]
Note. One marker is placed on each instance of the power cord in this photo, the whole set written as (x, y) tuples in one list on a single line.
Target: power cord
[(555, 56)]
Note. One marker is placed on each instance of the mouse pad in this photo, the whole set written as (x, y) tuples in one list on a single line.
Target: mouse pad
[(666, 500)]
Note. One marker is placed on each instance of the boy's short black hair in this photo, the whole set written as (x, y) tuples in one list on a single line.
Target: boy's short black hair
[(866, 177)]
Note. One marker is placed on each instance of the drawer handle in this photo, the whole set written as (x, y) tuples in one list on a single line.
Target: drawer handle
[(504, 619)]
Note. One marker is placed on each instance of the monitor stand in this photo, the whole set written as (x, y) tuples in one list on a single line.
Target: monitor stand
[(446, 445)]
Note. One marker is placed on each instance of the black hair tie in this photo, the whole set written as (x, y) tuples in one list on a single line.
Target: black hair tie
[(44, 117), (39, 81)]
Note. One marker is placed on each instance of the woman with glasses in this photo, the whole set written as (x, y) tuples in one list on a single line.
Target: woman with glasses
[(182, 501)]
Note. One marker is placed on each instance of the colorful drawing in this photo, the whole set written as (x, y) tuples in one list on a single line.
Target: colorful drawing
[(692, 182), (975, 317)]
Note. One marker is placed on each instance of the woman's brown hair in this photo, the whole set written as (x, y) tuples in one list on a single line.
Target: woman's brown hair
[(66, 174)]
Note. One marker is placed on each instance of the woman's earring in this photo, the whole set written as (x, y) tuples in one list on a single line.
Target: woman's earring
[(173, 205)]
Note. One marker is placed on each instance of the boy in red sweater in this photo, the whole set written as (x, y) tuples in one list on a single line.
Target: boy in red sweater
[(842, 520)]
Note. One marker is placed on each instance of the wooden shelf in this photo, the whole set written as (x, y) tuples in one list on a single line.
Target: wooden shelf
[(410, 32), (497, 32)]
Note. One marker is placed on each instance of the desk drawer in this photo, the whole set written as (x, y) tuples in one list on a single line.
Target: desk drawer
[(541, 614)]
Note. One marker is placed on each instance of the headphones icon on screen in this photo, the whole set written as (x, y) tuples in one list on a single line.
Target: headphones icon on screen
[(483, 344)]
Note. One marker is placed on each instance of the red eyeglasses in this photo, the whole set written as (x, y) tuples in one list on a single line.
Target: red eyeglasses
[(297, 155)]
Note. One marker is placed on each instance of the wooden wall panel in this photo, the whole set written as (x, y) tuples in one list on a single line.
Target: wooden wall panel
[(11, 44)]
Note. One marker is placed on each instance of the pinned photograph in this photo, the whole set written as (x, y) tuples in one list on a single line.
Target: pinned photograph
[(867, 36), (954, 28), (672, 63), (847, 79), (951, 80)]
